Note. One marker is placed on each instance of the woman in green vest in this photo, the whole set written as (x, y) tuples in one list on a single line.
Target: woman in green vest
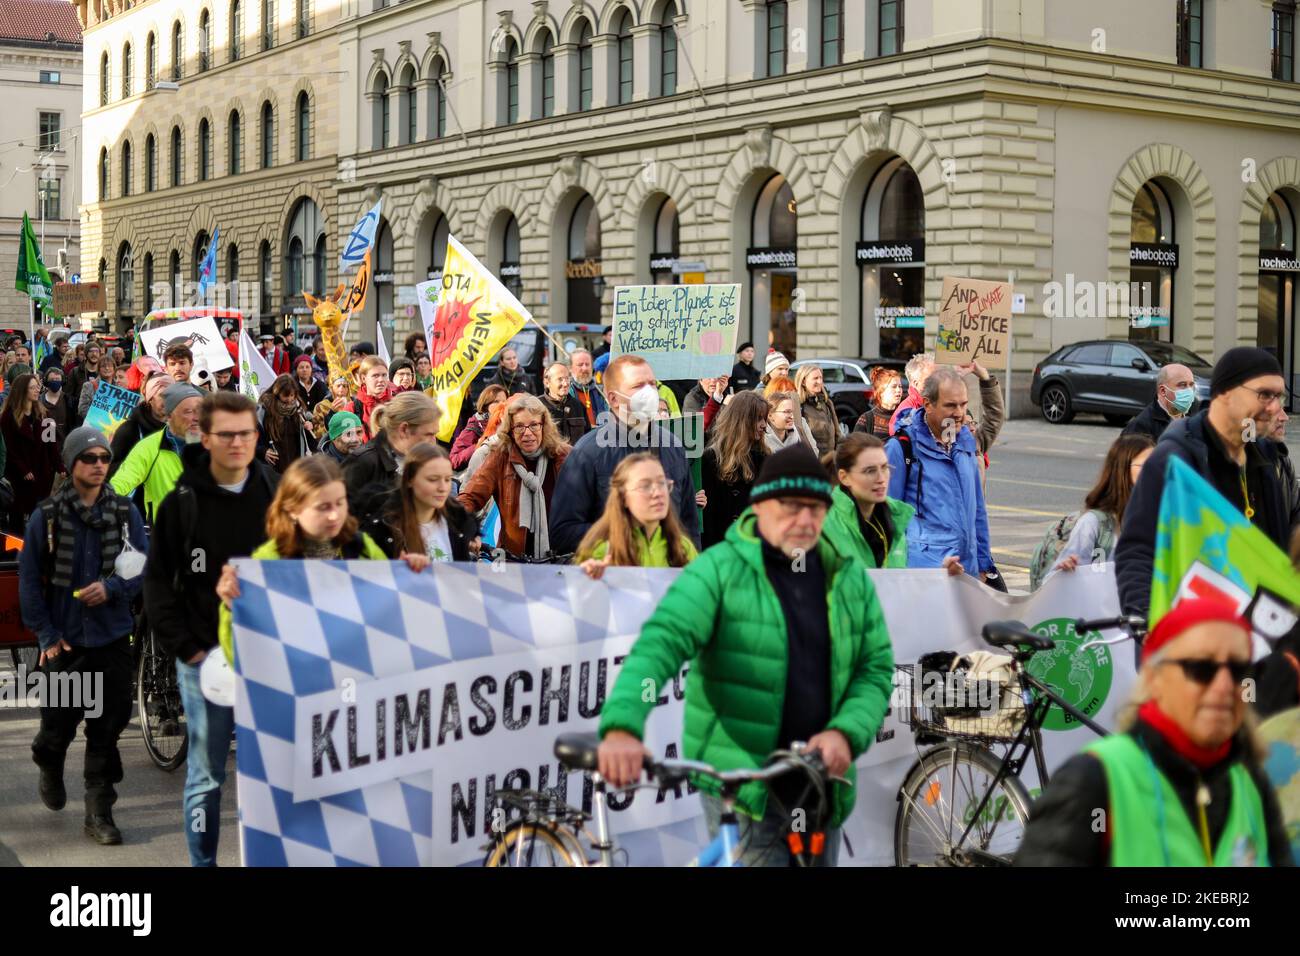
[(1181, 784), (863, 520), (639, 527)]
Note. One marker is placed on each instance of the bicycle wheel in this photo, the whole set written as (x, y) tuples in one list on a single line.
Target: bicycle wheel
[(938, 801), (162, 718), (535, 844)]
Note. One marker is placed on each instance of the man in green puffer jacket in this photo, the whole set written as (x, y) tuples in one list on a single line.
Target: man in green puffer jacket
[(787, 643)]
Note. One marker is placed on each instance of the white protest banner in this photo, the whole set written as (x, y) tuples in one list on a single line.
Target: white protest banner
[(477, 670), (201, 335), (683, 331), (255, 375)]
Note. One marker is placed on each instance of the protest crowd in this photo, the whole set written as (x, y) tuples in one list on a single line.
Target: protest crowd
[(772, 521)]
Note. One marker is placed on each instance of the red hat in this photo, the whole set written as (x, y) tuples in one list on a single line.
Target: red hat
[(304, 357), (1188, 613)]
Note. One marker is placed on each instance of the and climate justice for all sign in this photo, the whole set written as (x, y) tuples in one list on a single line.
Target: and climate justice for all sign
[(974, 322), (683, 331)]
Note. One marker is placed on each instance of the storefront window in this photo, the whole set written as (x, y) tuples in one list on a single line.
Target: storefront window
[(1153, 258), (891, 261), (510, 272), (586, 282), (772, 260), (1278, 269), (667, 243)]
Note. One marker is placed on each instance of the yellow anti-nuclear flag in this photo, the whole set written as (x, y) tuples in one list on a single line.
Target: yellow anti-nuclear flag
[(476, 315)]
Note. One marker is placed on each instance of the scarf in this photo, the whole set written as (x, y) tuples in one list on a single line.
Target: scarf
[(68, 507), (532, 503), (1203, 758), (775, 444)]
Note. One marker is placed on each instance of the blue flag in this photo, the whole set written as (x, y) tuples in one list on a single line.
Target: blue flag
[(360, 239), (208, 271)]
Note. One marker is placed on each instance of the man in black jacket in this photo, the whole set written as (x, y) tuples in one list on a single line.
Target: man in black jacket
[(566, 411), (510, 376), (583, 482), (1226, 446), (217, 512), (1175, 396)]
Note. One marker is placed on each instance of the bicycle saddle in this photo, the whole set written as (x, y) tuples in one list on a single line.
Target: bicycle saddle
[(577, 751), (1014, 634)]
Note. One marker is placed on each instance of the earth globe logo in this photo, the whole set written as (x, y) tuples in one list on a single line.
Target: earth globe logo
[(1082, 677)]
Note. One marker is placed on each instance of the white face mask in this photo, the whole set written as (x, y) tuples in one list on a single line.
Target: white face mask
[(643, 404)]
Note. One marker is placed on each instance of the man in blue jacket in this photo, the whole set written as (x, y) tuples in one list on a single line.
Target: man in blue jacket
[(583, 482), (76, 596), (934, 468)]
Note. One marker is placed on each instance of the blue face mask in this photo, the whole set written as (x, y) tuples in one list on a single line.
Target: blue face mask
[(1184, 399), (55, 386)]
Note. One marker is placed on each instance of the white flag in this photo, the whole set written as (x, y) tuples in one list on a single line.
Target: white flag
[(382, 344), (255, 376)]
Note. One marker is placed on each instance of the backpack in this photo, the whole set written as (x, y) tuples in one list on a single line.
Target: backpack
[(50, 514), (1058, 535)]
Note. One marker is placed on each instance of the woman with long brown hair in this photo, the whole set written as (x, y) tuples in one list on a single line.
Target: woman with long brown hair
[(30, 462), (1095, 532), (283, 435), (639, 528), (520, 473), (308, 519), (420, 515), (817, 409), (731, 462)]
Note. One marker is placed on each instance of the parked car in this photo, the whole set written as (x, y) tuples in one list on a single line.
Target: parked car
[(1115, 377), (848, 383)]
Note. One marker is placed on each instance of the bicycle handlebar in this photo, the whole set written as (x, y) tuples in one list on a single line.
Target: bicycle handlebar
[(675, 769), (1133, 624)]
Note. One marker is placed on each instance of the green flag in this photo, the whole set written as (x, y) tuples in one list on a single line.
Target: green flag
[(1206, 548), (33, 277)]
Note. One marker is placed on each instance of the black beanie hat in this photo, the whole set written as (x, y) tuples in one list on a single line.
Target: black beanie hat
[(1241, 364), (792, 472)]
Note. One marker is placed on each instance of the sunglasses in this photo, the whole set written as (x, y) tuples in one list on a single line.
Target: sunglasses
[(96, 459), (1202, 671)]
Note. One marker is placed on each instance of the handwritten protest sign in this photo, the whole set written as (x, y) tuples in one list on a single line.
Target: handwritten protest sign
[(74, 298), (974, 322), (200, 335), (682, 331), (110, 407)]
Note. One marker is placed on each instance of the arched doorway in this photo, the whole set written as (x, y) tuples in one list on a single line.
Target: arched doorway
[(433, 241), (1278, 268), (304, 257), (665, 246), (379, 306), (1153, 260), (125, 287), (582, 268), (772, 260), (891, 262), (503, 246)]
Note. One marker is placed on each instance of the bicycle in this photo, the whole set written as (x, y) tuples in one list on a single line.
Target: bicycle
[(158, 696), (549, 832), (962, 804)]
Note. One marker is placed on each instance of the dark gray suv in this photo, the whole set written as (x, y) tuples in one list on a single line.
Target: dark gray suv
[(1115, 377)]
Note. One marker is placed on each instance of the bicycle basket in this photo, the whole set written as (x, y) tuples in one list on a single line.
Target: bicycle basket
[(972, 696)]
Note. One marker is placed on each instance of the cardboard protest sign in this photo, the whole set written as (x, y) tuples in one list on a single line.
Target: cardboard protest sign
[(110, 407), (74, 298), (201, 335), (682, 331), (974, 322)]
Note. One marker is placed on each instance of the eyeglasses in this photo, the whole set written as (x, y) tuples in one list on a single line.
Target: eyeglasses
[(1202, 670), (103, 459), (1265, 396), (535, 428), (650, 487), (791, 508), (875, 471), (229, 438)]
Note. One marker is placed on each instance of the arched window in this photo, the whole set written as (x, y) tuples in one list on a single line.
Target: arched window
[(178, 52), (302, 114), (128, 68), (510, 79), (584, 66), (773, 267), (382, 297), (177, 157), (125, 282), (267, 149), (509, 271), (150, 163), (200, 252), (411, 114), (623, 62), (379, 115), (232, 263), (103, 80), (148, 283), (126, 168), (234, 143), (205, 41), (304, 264), (264, 277), (236, 30), (666, 243), (174, 280), (205, 150), (438, 246), (776, 40), (103, 175), (547, 67), (150, 61), (303, 18), (1153, 259), (268, 24), (585, 283), (891, 260), (437, 100), (668, 53), (1277, 277)]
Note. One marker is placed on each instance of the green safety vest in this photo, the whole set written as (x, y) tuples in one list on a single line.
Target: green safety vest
[(1149, 826)]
